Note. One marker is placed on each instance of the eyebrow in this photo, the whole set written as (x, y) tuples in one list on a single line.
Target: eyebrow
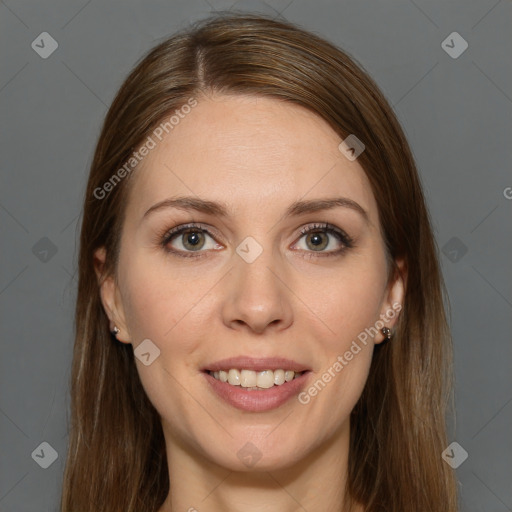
[(188, 203)]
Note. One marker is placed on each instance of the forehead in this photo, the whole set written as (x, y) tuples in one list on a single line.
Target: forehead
[(250, 152)]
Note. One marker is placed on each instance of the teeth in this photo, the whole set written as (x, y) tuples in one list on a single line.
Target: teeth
[(251, 380), (265, 379), (233, 377), (279, 377), (248, 379)]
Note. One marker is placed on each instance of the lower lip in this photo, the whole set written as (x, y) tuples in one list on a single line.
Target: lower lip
[(257, 401)]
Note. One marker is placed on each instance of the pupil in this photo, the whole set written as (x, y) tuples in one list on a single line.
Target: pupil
[(193, 239), (316, 239)]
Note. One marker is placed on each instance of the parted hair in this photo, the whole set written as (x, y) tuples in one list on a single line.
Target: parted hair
[(116, 459)]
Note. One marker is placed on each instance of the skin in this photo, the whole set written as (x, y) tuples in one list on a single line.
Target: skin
[(257, 156)]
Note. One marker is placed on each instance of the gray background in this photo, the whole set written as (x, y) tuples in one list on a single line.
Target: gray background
[(457, 114)]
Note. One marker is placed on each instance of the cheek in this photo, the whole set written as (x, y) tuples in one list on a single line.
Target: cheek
[(349, 301), (347, 307), (157, 301), (332, 395), (350, 311), (161, 309)]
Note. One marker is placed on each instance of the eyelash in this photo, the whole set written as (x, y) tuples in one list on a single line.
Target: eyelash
[(339, 234)]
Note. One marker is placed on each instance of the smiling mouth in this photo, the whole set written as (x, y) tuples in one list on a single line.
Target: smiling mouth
[(251, 380)]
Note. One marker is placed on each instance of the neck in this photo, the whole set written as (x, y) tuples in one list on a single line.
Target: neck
[(316, 482)]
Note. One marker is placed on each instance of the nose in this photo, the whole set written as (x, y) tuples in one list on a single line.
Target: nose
[(257, 297)]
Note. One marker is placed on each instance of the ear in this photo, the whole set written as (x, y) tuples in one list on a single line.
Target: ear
[(393, 298), (110, 296)]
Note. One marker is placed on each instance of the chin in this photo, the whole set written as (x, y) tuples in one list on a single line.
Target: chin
[(253, 453)]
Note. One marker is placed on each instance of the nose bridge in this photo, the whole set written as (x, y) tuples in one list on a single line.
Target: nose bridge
[(253, 264), (256, 296)]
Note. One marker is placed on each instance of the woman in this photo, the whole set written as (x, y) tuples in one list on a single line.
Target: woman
[(260, 318)]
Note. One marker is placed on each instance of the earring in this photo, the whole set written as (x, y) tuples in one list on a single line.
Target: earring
[(115, 331), (386, 331)]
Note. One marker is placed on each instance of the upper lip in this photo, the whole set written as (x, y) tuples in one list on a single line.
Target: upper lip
[(257, 364)]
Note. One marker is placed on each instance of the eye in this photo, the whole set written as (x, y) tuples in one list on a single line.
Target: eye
[(188, 238), (185, 240), (319, 237)]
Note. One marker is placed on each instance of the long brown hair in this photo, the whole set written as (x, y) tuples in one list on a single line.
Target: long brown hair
[(116, 457)]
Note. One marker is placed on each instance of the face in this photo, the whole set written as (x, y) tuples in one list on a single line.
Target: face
[(252, 273)]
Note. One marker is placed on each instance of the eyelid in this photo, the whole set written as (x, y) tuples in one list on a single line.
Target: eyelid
[(328, 228), (178, 229), (346, 240)]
